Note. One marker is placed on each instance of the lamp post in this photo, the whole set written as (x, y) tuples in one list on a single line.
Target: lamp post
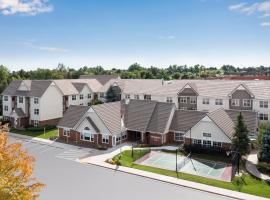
[(238, 158)]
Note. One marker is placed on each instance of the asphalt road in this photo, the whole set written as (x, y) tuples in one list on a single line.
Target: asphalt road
[(67, 179)]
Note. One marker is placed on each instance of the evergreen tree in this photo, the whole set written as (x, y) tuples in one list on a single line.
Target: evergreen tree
[(240, 139), (264, 148)]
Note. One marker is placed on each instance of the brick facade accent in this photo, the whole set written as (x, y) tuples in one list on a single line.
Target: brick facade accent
[(49, 122), (75, 137)]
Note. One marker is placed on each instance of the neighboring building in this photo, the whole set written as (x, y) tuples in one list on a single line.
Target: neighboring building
[(37, 102), (44, 102), (151, 122)]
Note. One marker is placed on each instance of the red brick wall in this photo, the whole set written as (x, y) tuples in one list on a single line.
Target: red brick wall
[(49, 122), (155, 139), (75, 137)]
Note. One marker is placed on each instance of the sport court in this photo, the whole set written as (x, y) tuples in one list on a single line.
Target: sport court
[(200, 167)]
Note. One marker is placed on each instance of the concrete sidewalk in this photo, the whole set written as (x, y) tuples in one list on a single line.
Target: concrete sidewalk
[(99, 160), (251, 162)]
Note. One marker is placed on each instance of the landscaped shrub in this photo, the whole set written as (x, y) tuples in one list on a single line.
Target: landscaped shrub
[(41, 128)]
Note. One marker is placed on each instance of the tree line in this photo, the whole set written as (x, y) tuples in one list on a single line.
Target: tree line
[(134, 71)]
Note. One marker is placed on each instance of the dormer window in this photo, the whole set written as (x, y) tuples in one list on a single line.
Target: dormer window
[(235, 102), (247, 102)]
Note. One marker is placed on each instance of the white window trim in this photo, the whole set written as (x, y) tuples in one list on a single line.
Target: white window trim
[(193, 98), (73, 97), (66, 132), (245, 101), (217, 143), (5, 108), (147, 97), (36, 100), (20, 98), (36, 113), (169, 99), (264, 104), (219, 102), (206, 101), (5, 98), (36, 123), (81, 97), (264, 118), (91, 136), (105, 137), (183, 100), (127, 96), (235, 102), (180, 137)]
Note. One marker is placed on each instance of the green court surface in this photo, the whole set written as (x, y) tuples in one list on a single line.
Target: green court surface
[(205, 168)]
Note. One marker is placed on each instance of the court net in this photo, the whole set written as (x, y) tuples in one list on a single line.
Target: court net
[(183, 162)]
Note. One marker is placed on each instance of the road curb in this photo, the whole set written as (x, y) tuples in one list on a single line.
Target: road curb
[(181, 185)]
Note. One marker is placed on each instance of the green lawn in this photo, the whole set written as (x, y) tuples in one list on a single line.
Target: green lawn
[(39, 134), (246, 184)]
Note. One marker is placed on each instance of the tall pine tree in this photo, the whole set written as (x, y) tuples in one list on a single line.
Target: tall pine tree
[(240, 141), (264, 148)]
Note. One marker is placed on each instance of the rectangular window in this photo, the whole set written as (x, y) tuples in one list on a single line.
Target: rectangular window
[(81, 96), (183, 99), (263, 104), (179, 137), (89, 96), (235, 102), (263, 116), (87, 136), (136, 96), (105, 139), (36, 122), (35, 100), (206, 134), (73, 97), (127, 96), (197, 142), (102, 95), (193, 100), (66, 133), (246, 102), (147, 97), (6, 108), (219, 102), (217, 144), (169, 99), (207, 143), (20, 99), (36, 111), (5, 98), (205, 101), (124, 136)]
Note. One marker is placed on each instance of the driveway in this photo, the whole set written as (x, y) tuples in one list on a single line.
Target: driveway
[(69, 180)]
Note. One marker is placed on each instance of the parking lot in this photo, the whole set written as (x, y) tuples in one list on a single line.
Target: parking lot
[(60, 151)]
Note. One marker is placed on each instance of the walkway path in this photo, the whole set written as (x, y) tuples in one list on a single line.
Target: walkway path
[(99, 160), (251, 162)]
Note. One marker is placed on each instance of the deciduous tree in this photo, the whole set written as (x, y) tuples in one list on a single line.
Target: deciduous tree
[(16, 168)]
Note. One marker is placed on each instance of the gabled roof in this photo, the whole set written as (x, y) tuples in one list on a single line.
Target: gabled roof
[(160, 117), (93, 124), (36, 88), (110, 114), (138, 114), (223, 121), (184, 120), (103, 79), (19, 112), (245, 87), (72, 116), (79, 86), (191, 86)]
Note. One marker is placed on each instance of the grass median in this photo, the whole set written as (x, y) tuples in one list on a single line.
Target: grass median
[(246, 183), (40, 134)]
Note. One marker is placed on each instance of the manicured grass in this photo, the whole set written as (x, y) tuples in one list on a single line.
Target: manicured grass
[(39, 134), (246, 183)]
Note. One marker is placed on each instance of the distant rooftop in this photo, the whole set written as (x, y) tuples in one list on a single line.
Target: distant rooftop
[(103, 79)]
